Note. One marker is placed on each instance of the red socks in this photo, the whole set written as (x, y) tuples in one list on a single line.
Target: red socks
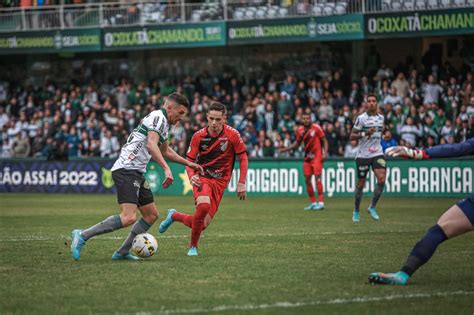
[(319, 185), (184, 218), (310, 190), (202, 210)]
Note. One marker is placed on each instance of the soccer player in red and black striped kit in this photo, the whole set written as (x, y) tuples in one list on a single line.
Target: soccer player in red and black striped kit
[(214, 148), (314, 155)]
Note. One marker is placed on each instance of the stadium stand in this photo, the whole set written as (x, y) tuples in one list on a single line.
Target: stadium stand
[(60, 121)]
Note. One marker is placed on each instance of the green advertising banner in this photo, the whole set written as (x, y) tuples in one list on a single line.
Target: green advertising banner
[(346, 27), (83, 40), (165, 36), (420, 23), (431, 178)]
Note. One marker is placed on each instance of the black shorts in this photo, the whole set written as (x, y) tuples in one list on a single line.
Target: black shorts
[(375, 162), (132, 187), (467, 206)]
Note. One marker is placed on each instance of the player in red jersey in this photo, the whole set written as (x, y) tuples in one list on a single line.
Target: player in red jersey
[(312, 135), (214, 148)]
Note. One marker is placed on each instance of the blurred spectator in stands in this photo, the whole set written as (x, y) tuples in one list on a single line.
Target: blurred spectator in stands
[(351, 149), (21, 146), (432, 91), (7, 148), (288, 86), (325, 111), (355, 96), (447, 131), (401, 85), (410, 132), (393, 98), (338, 101)]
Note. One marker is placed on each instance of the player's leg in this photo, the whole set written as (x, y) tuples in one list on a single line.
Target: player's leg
[(149, 213), (457, 220), (109, 224), (308, 176), (203, 206), (362, 169), (318, 170), (149, 216), (380, 171)]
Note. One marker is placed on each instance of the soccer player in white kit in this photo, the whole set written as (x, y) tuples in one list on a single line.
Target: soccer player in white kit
[(368, 130), (148, 140)]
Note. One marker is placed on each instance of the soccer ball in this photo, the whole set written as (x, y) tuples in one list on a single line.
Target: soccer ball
[(144, 245)]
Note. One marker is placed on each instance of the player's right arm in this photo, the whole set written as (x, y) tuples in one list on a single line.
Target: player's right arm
[(294, 145), (357, 133), (153, 139), (191, 156)]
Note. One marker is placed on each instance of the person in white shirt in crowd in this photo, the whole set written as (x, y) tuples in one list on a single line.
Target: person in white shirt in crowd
[(392, 98), (432, 91), (410, 132)]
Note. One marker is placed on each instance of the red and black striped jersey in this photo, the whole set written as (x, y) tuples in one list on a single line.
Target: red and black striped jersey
[(312, 141), (216, 154)]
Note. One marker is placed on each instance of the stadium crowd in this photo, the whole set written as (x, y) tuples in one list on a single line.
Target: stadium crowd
[(61, 122)]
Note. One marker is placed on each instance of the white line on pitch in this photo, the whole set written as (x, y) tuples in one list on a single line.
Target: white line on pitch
[(65, 237), (362, 299)]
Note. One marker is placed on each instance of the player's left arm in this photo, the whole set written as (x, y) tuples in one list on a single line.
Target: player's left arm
[(171, 155), (325, 142), (241, 152), (244, 166)]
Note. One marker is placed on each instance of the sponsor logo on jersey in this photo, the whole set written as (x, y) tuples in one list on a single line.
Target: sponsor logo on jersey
[(205, 139), (223, 139), (214, 174), (204, 147), (224, 146), (136, 184), (312, 133)]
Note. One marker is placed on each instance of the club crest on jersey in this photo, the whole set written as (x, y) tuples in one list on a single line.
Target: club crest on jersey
[(312, 133), (204, 147), (224, 146)]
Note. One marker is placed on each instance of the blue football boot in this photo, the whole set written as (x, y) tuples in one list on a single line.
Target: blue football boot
[(167, 222), (355, 216), (397, 278), (127, 256), (373, 213), (311, 206), (77, 242), (193, 251)]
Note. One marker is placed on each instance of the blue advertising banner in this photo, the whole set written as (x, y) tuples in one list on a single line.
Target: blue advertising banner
[(56, 177)]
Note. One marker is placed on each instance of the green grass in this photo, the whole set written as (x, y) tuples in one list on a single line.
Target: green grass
[(261, 256)]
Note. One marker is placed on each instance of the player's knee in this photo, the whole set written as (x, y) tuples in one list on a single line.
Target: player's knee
[(128, 219), (381, 181), (151, 217)]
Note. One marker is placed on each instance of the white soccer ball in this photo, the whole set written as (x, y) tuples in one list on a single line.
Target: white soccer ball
[(144, 245)]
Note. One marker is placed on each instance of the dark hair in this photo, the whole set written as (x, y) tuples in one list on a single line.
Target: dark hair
[(372, 95), (178, 99), (217, 107)]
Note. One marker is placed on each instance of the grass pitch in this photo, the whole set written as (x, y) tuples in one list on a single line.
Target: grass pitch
[(262, 256)]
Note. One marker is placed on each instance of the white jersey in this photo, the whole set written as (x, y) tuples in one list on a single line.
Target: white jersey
[(370, 147), (134, 154)]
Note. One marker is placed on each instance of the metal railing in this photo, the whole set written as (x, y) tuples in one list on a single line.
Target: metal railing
[(142, 13)]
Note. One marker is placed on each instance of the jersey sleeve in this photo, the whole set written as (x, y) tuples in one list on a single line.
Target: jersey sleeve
[(193, 149), (320, 132), (238, 143), (358, 124), (298, 137), (156, 123)]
